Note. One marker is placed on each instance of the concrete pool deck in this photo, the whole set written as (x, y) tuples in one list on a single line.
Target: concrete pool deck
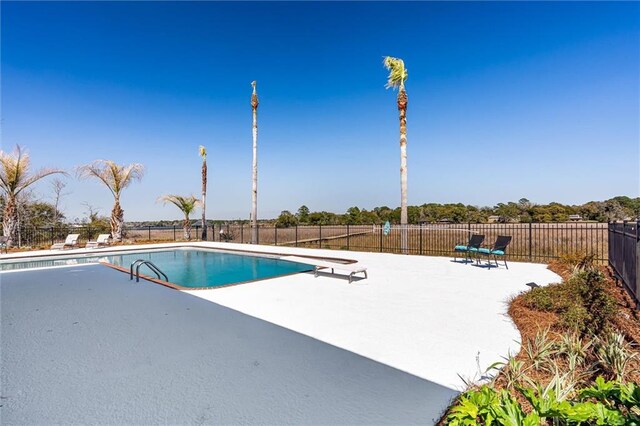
[(82, 344)]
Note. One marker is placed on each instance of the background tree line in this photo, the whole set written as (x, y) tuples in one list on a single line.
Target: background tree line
[(617, 208), (40, 213)]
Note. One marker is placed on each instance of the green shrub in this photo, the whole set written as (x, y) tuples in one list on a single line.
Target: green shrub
[(601, 307), (575, 318), (604, 403), (544, 298), (486, 406), (582, 301)]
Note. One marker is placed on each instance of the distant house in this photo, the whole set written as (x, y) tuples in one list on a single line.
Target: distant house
[(445, 220), (502, 219), (575, 217), (493, 219)]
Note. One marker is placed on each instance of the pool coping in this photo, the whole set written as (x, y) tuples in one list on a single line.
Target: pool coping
[(111, 249)]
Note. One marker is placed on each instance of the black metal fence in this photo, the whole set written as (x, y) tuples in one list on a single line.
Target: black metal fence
[(532, 242), (624, 255)]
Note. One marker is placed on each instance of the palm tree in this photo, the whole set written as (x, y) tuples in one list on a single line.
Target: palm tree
[(15, 177), (187, 205), (397, 76), (254, 185), (116, 178), (203, 154)]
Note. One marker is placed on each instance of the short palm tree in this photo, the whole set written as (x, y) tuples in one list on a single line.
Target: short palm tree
[(116, 178), (254, 181), (186, 205), (203, 154), (15, 177), (397, 76)]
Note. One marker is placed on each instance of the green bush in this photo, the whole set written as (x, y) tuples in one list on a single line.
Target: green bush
[(575, 317), (582, 301), (604, 403), (601, 307), (545, 298)]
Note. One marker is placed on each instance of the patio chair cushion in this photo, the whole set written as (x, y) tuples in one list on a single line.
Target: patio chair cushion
[(461, 248), (485, 250)]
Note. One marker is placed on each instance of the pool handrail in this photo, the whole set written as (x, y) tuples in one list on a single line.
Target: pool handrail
[(138, 263)]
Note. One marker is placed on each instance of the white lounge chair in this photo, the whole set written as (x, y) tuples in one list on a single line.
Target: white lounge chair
[(352, 268), (101, 241), (4, 241), (70, 242)]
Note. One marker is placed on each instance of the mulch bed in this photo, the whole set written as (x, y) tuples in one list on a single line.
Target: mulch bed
[(530, 321)]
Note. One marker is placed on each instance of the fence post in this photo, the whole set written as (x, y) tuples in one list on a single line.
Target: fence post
[(197, 232), (420, 237), (257, 233), (637, 265), (320, 235), (52, 236), (174, 233), (149, 232), (275, 235), (296, 235), (241, 233), (380, 228), (530, 242), (623, 269), (347, 236)]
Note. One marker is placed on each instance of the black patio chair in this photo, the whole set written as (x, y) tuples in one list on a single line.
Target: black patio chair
[(475, 241), (499, 249)]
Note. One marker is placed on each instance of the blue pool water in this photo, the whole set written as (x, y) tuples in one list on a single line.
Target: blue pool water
[(185, 267)]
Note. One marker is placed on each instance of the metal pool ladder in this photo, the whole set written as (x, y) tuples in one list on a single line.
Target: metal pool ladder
[(138, 263)]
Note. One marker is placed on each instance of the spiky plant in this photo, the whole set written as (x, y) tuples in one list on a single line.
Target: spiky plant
[(116, 178), (540, 350), (614, 355), (254, 180), (203, 154), (512, 371), (186, 205), (561, 386), (15, 177), (574, 348), (397, 76)]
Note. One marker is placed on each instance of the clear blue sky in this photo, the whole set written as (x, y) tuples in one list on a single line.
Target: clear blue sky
[(506, 100)]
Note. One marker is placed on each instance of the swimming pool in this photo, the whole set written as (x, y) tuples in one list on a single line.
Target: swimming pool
[(185, 267)]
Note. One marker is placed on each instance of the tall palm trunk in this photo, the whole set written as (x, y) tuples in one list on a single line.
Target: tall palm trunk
[(254, 184), (186, 228), (204, 196), (117, 221), (402, 108), (10, 222)]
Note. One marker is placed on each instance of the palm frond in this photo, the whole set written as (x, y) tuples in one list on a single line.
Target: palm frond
[(203, 152), (15, 175), (397, 72), (186, 204), (114, 176)]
